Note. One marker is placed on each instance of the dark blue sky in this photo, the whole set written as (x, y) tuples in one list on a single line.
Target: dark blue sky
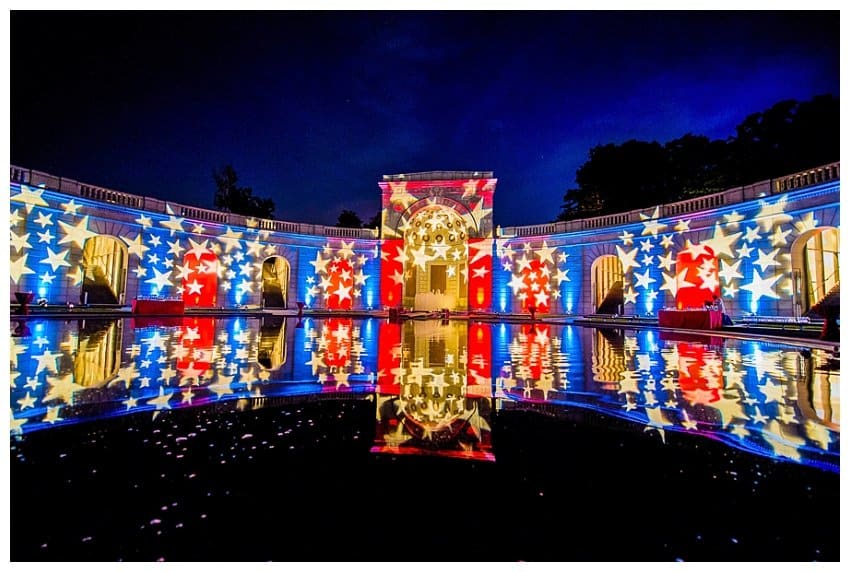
[(312, 108)]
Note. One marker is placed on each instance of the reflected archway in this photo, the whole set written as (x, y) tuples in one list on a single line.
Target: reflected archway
[(104, 270), (271, 352), (607, 360), (98, 356), (818, 398), (429, 398), (607, 284), (275, 282)]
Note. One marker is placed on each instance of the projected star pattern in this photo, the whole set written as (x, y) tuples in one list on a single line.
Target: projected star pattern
[(338, 279), (751, 395), (742, 392), (428, 407), (337, 351), (473, 199), (191, 361), (747, 252), (537, 272), (170, 256), (752, 255)]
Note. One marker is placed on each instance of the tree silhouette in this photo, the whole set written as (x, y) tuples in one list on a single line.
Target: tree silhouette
[(788, 137), (375, 221), (349, 219), (230, 197)]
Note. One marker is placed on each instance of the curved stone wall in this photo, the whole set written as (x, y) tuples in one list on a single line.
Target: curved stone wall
[(170, 255), (752, 242), (755, 235)]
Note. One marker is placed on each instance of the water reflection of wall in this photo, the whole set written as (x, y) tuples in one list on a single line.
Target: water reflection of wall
[(606, 357), (768, 399), (432, 395), (818, 396), (98, 355), (340, 353), (434, 382), (272, 342)]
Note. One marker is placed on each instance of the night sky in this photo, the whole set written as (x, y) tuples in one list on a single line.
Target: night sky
[(312, 108)]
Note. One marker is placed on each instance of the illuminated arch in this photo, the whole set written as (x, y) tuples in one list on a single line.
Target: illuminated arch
[(472, 227), (814, 260), (105, 261), (275, 276), (435, 244), (606, 284)]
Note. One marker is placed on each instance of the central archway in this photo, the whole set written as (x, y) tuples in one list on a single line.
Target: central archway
[(435, 246)]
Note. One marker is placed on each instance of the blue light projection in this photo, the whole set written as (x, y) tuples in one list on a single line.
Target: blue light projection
[(773, 400), (753, 242), (757, 247), (168, 256)]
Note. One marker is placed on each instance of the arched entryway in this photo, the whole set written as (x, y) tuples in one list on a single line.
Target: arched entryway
[(275, 282), (436, 274), (104, 270), (606, 277), (814, 260)]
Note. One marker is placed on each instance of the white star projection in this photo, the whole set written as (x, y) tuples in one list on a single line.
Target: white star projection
[(30, 197), (174, 224), (19, 243), (425, 405), (77, 234), (135, 246), (761, 286), (687, 386), (536, 277), (338, 276), (651, 224), (749, 257), (400, 197), (162, 257), (773, 214)]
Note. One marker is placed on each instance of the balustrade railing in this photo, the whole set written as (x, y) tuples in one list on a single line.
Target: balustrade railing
[(71, 187), (808, 178), (795, 181)]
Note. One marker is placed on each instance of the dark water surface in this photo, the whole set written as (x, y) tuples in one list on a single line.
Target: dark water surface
[(349, 440)]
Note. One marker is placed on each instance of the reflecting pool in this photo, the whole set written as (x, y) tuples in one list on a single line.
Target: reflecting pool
[(201, 438)]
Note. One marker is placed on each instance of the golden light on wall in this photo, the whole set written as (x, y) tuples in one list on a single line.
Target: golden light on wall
[(105, 267)]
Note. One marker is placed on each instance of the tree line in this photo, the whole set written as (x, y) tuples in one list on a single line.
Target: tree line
[(231, 197), (788, 137)]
